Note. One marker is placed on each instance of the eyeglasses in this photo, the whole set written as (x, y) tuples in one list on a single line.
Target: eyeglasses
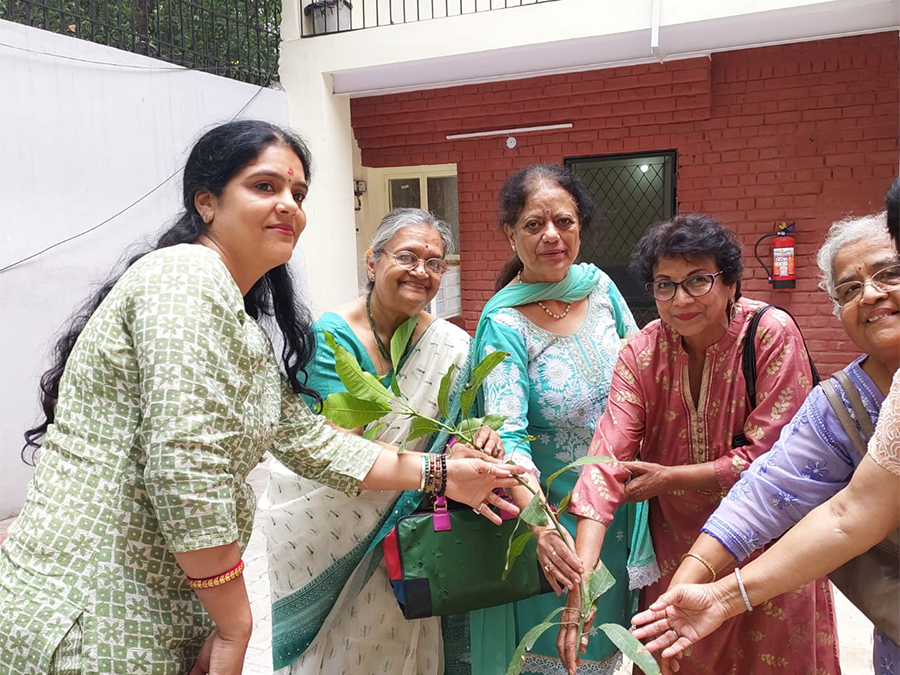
[(696, 286), (884, 280), (409, 261)]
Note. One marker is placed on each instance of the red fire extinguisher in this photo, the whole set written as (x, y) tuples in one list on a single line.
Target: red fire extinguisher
[(782, 276)]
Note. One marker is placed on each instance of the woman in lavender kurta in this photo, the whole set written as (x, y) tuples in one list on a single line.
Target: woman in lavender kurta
[(678, 400), (814, 458)]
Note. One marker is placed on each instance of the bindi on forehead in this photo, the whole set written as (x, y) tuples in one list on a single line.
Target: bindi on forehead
[(291, 171)]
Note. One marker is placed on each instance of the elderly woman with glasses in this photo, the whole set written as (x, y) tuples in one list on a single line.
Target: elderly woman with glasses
[(814, 459), (681, 427), (333, 607)]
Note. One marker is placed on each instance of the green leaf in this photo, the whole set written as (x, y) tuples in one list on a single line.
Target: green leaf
[(515, 548), (358, 382), (349, 412), (444, 392), (518, 659), (479, 372), (402, 448), (421, 426), (534, 514), (400, 340), (494, 421), (581, 461), (563, 505), (599, 581), (371, 433), (631, 648), (395, 386)]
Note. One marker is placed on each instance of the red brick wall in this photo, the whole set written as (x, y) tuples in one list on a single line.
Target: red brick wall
[(805, 132)]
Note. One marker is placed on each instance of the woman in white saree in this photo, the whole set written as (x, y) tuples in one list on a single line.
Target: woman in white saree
[(333, 607)]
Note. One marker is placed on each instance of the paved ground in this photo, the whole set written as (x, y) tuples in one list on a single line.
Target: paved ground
[(855, 631)]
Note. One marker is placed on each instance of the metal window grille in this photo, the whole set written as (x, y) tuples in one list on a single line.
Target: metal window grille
[(634, 192), (322, 17), (234, 38)]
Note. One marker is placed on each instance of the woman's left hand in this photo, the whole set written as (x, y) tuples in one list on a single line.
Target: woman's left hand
[(486, 441), (561, 566), (647, 480)]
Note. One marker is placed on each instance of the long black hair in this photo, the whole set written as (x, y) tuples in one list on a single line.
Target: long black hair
[(215, 159), (515, 192)]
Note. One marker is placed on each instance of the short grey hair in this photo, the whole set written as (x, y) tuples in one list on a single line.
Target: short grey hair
[(397, 220), (843, 232)]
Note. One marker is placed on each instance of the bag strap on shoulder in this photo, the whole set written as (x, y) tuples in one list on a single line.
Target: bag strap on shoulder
[(748, 359), (862, 415), (837, 405)]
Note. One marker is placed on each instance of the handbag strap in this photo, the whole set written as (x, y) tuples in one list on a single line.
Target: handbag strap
[(748, 364), (843, 416), (748, 358), (862, 415)]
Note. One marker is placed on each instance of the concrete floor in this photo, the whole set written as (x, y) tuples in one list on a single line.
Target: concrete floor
[(854, 630)]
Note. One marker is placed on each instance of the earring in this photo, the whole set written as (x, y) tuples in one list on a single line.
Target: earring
[(371, 276), (732, 309), (206, 218), (514, 248)]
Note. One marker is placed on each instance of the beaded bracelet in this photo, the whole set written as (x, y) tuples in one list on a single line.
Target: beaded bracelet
[(737, 574), (443, 486), (701, 559), (219, 579)]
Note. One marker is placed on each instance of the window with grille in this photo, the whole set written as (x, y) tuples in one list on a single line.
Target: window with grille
[(634, 192)]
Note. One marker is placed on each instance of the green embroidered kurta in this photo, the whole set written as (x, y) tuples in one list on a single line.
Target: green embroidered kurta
[(170, 397)]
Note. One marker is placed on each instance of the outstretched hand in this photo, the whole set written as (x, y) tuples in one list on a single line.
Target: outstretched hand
[(679, 618), (473, 481)]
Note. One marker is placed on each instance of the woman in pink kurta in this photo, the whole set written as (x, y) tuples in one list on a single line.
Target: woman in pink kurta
[(679, 401)]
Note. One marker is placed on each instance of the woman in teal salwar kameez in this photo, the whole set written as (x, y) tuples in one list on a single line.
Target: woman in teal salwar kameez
[(562, 325)]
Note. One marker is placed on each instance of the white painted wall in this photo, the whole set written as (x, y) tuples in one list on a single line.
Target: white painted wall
[(79, 142)]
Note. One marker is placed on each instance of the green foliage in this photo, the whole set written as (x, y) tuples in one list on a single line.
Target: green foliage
[(225, 37), (515, 547), (599, 581), (536, 513), (581, 461), (479, 372), (444, 392), (518, 659), (372, 432), (631, 648), (359, 383), (349, 412)]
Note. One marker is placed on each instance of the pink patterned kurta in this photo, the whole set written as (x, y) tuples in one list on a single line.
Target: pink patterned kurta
[(651, 413)]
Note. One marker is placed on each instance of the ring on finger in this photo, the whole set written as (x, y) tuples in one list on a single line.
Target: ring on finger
[(553, 552), (674, 633), (547, 567), (480, 507), (490, 469)]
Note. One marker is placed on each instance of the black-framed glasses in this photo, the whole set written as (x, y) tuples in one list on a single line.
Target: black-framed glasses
[(885, 280), (696, 285), (409, 261)]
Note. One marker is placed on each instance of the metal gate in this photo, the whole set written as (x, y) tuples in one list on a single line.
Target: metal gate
[(634, 192)]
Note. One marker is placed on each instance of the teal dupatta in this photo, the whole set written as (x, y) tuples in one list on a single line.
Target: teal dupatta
[(498, 622)]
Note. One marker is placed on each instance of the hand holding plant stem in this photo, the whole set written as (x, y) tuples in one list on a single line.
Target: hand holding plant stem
[(367, 400)]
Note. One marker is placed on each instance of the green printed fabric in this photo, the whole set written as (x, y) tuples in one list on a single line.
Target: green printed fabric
[(171, 396)]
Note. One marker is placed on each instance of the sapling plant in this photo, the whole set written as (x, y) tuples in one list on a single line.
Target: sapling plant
[(367, 401)]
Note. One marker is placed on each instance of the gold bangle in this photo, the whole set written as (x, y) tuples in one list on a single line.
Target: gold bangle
[(219, 579), (700, 558)]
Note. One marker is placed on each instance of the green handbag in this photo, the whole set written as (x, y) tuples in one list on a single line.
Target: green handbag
[(449, 561)]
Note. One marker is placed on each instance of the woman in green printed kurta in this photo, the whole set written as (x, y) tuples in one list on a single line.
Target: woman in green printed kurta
[(154, 418)]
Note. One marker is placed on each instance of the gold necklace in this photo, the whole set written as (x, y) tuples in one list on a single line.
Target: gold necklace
[(544, 307)]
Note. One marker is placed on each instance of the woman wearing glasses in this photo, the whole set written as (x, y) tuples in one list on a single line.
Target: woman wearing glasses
[(814, 458), (679, 402), (333, 607)]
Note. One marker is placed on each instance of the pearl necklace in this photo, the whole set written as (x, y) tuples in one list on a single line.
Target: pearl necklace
[(544, 307)]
